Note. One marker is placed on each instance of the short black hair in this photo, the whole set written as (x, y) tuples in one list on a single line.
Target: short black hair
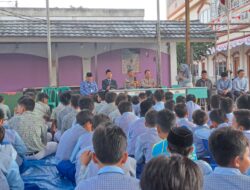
[(159, 95), (108, 71), (227, 143), (75, 100), (142, 95), (1, 98), (166, 120), (135, 100), (145, 106), (174, 173), (199, 117), (2, 134), (100, 118), (224, 74), (146, 71), (203, 71), (243, 102), (169, 96), (242, 117), (170, 105), (215, 101), (124, 106), (27, 102), (86, 103), (150, 118), (240, 70), (226, 105), (65, 98), (101, 94), (149, 93), (110, 97), (41, 96), (180, 99), (121, 97), (218, 116), (84, 116), (180, 110), (89, 74), (1, 114), (31, 95), (110, 143), (190, 97)]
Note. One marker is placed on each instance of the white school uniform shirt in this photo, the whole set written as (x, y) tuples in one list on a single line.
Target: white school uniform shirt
[(159, 106), (180, 122), (125, 120), (230, 117), (191, 107)]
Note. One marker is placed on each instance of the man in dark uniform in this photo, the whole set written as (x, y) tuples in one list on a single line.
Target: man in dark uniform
[(109, 83)]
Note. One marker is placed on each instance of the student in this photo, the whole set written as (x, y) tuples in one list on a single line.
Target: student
[(174, 173), (136, 105), (138, 127), (110, 160), (142, 96), (226, 105), (165, 121), (69, 118), (110, 106), (5, 108), (214, 104), (32, 130), (224, 86), (241, 121), (180, 141), (145, 141), (127, 116), (243, 102), (12, 137), (180, 99), (182, 114), (8, 165), (170, 105), (84, 122), (159, 100), (86, 103), (101, 101), (116, 113), (240, 84), (169, 96), (191, 106), (218, 119), (202, 131), (41, 107), (230, 149)]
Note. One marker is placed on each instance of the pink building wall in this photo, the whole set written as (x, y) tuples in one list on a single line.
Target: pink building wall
[(113, 60)]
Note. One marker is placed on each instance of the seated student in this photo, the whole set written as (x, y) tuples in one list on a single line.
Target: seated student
[(214, 104), (180, 99), (12, 137), (218, 119), (69, 118), (241, 121), (67, 109), (127, 116), (32, 130), (226, 105), (110, 160), (191, 105), (146, 140), (5, 108), (169, 96), (86, 103), (230, 149), (174, 173), (243, 102), (165, 121), (84, 121), (116, 113), (110, 106), (101, 101), (180, 141), (8, 165), (142, 96), (159, 100), (41, 107), (170, 105), (182, 117), (200, 119), (138, 127), (136, 105)]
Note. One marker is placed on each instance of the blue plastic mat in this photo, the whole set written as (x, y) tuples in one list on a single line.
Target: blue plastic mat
[(42, 174)]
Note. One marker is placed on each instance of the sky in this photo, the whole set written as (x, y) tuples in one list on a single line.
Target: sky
[(148, 5)]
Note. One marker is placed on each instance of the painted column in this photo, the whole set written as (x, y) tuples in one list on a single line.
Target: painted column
[(173, 63), (86, 66)]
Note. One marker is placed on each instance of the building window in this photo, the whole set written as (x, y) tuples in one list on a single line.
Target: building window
[(205, 16)]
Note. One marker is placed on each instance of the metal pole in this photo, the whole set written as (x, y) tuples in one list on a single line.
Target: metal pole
[(158, 59), (49, 45), (96, 64), (228, 37), (188, 46)]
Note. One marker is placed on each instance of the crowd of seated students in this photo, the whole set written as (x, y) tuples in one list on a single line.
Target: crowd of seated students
[(112, 141)]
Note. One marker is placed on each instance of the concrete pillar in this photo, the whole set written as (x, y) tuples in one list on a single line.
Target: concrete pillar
[(86, 66), (54, 70), (173, 63)]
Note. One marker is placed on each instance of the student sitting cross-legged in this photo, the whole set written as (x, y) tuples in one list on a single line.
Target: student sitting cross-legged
[(230, 149), (110, 144)]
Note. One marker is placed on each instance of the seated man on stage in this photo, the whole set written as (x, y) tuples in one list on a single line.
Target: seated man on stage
[(240, 84), (131, 81), (224, 86), (148, 81), (109, 83), (89, 86)]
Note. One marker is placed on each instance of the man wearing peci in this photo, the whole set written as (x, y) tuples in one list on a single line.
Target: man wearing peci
[(89, 86), (109, 83)]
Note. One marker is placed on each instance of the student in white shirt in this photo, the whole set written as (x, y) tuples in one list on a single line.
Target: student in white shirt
[(226, 105)]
